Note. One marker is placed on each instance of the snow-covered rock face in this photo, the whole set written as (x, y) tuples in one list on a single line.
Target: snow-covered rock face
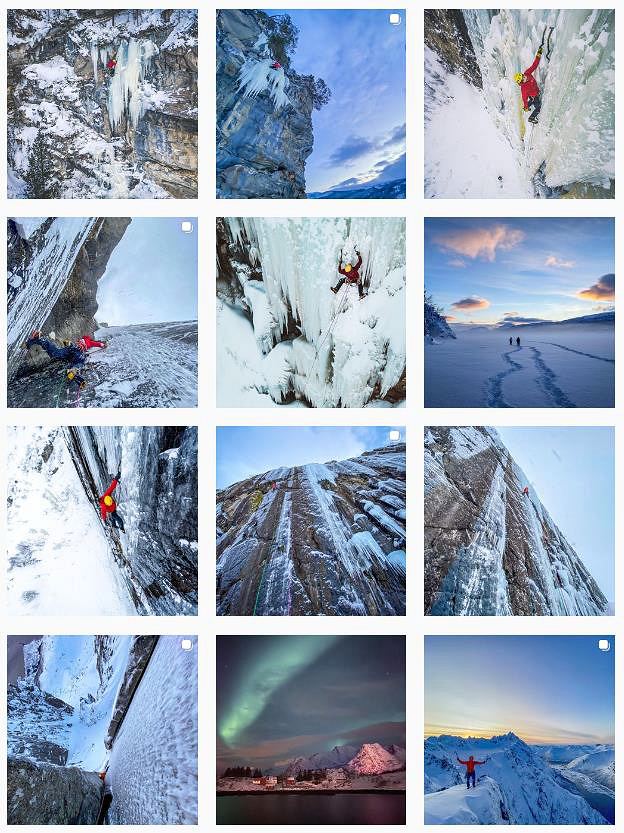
[(514, 785), (435, 324), (282, 336), (264, 116), (373, 759), (133, 134), (489, 548), (571, 152), (352, 761), (328, 540), (152, 569)]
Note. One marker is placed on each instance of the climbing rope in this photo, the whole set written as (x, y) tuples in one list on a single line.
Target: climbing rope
[(341, 307), (259, 586)]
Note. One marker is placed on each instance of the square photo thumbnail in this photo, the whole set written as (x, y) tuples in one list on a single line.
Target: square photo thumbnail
[(519, 730), (102, 730)]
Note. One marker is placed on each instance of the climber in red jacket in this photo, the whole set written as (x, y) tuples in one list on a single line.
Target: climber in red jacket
[(110, 66), (529, 89), (276, 65), (525, 491), (109, 507), (351, 274), (470, 765), (86, 342)]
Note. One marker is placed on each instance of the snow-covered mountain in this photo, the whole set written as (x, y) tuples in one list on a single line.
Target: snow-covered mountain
[(373, 759), (54, 266), (515, 785), (367, 759), (132, 134), (593, 769), (284, 338), (83, 565), (490, 549), (477, 140), (393, 190), (327, 540)]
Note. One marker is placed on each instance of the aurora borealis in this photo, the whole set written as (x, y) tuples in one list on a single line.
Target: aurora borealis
[(279, 697)]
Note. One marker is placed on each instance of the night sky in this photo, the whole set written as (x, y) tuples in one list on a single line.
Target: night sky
[(280, 697)]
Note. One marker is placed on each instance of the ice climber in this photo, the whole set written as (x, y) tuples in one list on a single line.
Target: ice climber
[(529, 89), (111, 65), (518, 341), (525, 491), (470, 765), (109, 507), (276, 65), (86, 342), (350, 274), (69, 353), (510, 340)]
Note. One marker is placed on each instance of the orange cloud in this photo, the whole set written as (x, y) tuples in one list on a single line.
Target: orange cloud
[(481, 242), (551, 260), (471, 303), (602, 290), (450, 318)]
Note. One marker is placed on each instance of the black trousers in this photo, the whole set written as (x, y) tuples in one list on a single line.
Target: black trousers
[(470, 775), (536, 103), (116, 520), (359, 286)]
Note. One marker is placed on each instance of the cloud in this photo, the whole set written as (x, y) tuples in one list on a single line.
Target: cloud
[(351, 149), (522, 319), (480, 242), (450, 318), (460, 264), (510, 313), (551, 260), (381, 172), (602, 290), (396, 137), (471, 303), (603, 308)]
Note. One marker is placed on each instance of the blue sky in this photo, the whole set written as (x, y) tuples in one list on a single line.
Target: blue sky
[(243, 451), (487, 270), (566, 465), (545, 689), (151, 275), (360, 135)]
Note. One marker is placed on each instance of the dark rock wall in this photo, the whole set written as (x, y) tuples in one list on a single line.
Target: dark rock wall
[(446, 33)]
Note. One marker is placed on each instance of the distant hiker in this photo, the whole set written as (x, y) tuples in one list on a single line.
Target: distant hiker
[(510, 340), (518, 341), (529, 89), (351, 274), (274, 485), (276, 65), (470, 765), (109, 507), (525, 491), (110, 66), (70, 353), (86, 342)]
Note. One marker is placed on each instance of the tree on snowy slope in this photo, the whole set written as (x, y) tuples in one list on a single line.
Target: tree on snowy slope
[(39, 176), (282, 36)]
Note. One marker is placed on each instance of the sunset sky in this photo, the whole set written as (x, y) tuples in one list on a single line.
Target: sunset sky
[(545, 689), (280, 697), (520, 269)]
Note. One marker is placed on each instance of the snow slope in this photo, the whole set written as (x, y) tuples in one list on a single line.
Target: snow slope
[(282, 336), (328, 540), (153, 762), (373, 759), (491, 550), (556, 366), (515, 785), (474, 136), (62, 539)]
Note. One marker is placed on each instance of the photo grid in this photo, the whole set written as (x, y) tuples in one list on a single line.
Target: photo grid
[(330, 153)]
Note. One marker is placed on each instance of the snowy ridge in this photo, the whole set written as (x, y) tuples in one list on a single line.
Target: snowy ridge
[(490, 549), (286, 346), (326, 540), (514, 785)]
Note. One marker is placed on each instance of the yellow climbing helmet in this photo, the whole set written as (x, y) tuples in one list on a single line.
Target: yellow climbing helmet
[(108, 500), (518, 78), (348, 267)]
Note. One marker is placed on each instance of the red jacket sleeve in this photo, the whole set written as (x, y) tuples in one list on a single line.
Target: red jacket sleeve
[(465, 763), (110, 490), (103, 512), (533, 66), (525, 95), (478, 762)]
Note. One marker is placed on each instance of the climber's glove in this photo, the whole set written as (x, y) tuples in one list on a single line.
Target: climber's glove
[(539, 52), (526, 109)]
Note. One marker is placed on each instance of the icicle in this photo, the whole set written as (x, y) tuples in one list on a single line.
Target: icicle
[(133, 59), (255, 77), (94, 60)]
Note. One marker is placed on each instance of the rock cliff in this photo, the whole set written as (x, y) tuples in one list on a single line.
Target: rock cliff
[(40, 793), (128, 135), (264, 134), (491, 549), (327, 540)]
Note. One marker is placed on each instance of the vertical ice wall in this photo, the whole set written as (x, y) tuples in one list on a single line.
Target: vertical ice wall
[(125, 96), (575, 135)]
